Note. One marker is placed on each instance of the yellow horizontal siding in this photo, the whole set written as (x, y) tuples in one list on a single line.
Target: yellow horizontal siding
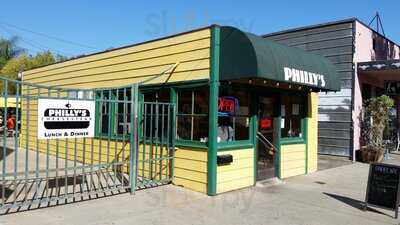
[(132, 64), (176, 40), (190, 169), (293, 172), (176, 77), (149, 59), (11, 102), (190, 184), (313, 132), (239, 173), (121, 67), (235, 184), (293, 160), (140, 74)]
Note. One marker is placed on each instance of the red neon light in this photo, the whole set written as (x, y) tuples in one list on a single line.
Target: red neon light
[(226, 104), (265, 123)]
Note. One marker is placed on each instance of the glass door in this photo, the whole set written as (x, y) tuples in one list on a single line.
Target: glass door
[(265, 138)]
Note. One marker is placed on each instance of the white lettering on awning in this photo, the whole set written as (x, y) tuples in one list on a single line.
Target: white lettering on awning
[(304, 77)]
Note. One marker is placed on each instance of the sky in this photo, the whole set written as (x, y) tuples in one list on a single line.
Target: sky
[(73, 28)]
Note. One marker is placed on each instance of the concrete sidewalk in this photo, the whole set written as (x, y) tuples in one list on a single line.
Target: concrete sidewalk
[(331, 196)]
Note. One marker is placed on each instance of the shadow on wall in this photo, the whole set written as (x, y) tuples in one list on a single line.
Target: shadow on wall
[(382, 49), (340, 113)]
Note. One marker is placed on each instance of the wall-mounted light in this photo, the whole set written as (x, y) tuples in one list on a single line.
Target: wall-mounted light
[(277, 83), (265, 81), (250, 81), (19, 76)]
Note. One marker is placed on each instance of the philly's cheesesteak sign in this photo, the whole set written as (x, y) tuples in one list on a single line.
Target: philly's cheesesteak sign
[(304, 77), (65, 118)]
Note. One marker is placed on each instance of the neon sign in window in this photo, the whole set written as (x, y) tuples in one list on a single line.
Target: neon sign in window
[(227, 105)]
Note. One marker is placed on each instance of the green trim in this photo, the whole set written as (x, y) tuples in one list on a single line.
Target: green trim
[(253, 133), (111, 134), (192, 144), (278, 135), (213, 113), (278, 161), (140, 116), (305, 121), (173, 100), (294, 140), (265, 91), (178, 84), (97, 111), (236, 145)]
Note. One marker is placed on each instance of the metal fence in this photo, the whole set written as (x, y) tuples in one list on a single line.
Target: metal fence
[(133, 147), (156, 143)]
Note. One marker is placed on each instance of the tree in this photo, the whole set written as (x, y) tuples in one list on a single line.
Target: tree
[(25, 62), (8, 50), (378, 110)]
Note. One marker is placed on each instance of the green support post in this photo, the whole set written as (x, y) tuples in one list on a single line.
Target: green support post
[(277, 128), (253, 134), (278, 134), (173, 100), (213, 113)]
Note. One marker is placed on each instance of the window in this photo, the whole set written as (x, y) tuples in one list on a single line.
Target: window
[(292, 111), (162, 95), (233, 115), (192, 116), (153, 112), (123, 111), (114, 112)]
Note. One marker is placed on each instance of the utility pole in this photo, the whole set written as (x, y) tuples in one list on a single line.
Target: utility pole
[(379, 26)]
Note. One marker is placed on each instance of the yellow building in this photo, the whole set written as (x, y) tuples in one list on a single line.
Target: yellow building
[(246, 106)]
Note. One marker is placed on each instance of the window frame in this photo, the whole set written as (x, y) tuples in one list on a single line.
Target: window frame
[(240, 143), (112, 113), (191, 142), (174, 89), (142, 92), (303, 120)]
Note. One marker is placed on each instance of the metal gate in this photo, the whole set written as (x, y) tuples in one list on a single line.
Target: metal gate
[(133, 147), (155, 161)]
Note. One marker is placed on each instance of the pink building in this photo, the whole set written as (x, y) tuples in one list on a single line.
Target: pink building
[(364, 59)]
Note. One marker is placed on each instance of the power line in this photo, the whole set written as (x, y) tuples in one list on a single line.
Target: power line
[(48, 36), (33, 43)]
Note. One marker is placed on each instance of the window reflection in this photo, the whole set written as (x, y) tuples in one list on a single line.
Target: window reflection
[(292, 111)]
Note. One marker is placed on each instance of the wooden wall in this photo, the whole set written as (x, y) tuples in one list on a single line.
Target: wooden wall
[(115, 68)]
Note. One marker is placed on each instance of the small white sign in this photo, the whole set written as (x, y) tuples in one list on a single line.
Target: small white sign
[(59, 118), (295, 109)]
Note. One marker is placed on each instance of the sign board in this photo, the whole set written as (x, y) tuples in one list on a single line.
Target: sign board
[(383, 186), (392, 87), (227, 105), (59, 118), (266, 123)]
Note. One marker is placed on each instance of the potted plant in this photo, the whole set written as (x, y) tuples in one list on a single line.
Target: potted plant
[(377, 118)]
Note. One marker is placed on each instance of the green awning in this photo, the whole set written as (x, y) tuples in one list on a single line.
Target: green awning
[(247, 56)]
